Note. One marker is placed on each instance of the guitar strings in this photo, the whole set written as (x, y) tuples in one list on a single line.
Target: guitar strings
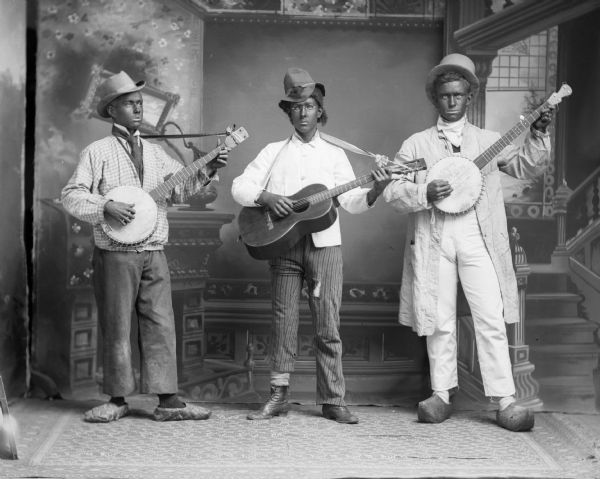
[(302, 203)]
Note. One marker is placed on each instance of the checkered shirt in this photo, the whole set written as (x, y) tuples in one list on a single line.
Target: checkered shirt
[(104, 165)]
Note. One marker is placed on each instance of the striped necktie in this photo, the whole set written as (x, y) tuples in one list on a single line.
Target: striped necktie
[(136, 155)]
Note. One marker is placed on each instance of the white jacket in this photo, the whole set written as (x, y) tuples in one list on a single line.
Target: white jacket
[(293, 165)]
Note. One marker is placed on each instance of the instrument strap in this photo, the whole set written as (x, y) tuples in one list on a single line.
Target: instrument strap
[(275, 161), (347, 146), (331, 139)]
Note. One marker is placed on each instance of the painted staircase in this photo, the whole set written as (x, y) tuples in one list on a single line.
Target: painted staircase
[(561, 343)]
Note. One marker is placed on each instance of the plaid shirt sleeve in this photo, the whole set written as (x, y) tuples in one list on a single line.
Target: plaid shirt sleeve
[(80, 196)]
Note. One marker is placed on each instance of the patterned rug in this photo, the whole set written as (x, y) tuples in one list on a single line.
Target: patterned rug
[(53, 441)]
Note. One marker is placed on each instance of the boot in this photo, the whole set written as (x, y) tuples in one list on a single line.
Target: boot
[(277, 405), (339, 414)]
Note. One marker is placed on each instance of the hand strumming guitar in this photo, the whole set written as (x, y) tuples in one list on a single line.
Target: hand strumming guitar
[(280, 205), (438, 190), (122, 212)]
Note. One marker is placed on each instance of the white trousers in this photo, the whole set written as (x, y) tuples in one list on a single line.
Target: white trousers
[(465, 257)]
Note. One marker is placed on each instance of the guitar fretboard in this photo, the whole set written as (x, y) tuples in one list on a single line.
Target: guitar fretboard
[(164, 189), (493, 151), (332, 193)]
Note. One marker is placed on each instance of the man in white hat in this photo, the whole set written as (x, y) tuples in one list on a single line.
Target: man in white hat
[(136, 278), (473, 247), (280, 170)]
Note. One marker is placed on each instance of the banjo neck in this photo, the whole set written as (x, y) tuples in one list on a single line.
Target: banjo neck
[(164, 189), (491, 152)]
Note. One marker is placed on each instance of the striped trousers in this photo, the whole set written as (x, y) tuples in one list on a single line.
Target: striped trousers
[(321, 268)]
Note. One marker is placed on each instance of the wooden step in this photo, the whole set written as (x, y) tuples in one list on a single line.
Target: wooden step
[(582, 384), (564, 359), (559, 330), (541, 305), (568, 393), (544, 282)]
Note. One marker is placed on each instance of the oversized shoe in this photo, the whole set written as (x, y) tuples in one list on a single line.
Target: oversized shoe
[(277, 405), (106, 412), (339, 414), (515, 418), (433, 410), (191, 412)]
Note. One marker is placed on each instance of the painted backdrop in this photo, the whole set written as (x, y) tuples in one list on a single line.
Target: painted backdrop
[(13, 282)]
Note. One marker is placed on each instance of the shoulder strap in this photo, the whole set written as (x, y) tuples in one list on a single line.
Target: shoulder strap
[(345, 145), (275, 161)]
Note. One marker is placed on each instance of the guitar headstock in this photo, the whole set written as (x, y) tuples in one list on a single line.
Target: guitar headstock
[(235, 137), (564, 91), (407, 167)]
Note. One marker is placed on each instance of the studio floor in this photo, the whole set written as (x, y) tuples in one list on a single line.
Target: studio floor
[(54, 442)]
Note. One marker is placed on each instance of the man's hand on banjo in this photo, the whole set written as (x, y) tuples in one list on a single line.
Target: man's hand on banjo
[(218, 162), (545, 118), (122, 212), (438, 190)]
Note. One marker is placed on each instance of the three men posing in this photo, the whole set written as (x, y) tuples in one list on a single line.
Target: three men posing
[(440, 249)]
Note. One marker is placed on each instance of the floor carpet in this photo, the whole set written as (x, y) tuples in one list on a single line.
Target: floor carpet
[(53, 441)]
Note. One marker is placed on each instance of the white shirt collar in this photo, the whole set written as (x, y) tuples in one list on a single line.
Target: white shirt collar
[(314, 141)]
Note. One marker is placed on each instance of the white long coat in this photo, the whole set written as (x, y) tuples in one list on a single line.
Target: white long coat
[(419, 289)]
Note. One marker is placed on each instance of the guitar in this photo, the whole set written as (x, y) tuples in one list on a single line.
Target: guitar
[(267, 236), (465, 175), (141, 227)]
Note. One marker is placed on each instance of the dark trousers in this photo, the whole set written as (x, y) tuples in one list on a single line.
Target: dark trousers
[(135, 285), (322, 270)]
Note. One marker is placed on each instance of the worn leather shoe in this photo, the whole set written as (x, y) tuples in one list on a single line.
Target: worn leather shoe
[(433, 410), (515, 418), (189, 412), (277, 405), (106, 412), (339, 414)]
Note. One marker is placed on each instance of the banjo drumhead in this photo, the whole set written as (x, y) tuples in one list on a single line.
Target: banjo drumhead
[(466, 181), (144, 222)]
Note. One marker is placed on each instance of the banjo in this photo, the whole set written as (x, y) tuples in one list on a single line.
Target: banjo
[(465, 175), (141, 227)]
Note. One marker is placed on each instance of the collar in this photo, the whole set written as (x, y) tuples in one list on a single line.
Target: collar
[(314, 141), (443, 125), (124, 132), (453, 131)]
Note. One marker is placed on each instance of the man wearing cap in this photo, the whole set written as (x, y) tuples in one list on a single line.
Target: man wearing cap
[(131, 278), (473, 247), (280, 170)]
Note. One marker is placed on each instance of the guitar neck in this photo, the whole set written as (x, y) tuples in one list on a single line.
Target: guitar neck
[(164, 189), (493, 151), (338, 190)]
